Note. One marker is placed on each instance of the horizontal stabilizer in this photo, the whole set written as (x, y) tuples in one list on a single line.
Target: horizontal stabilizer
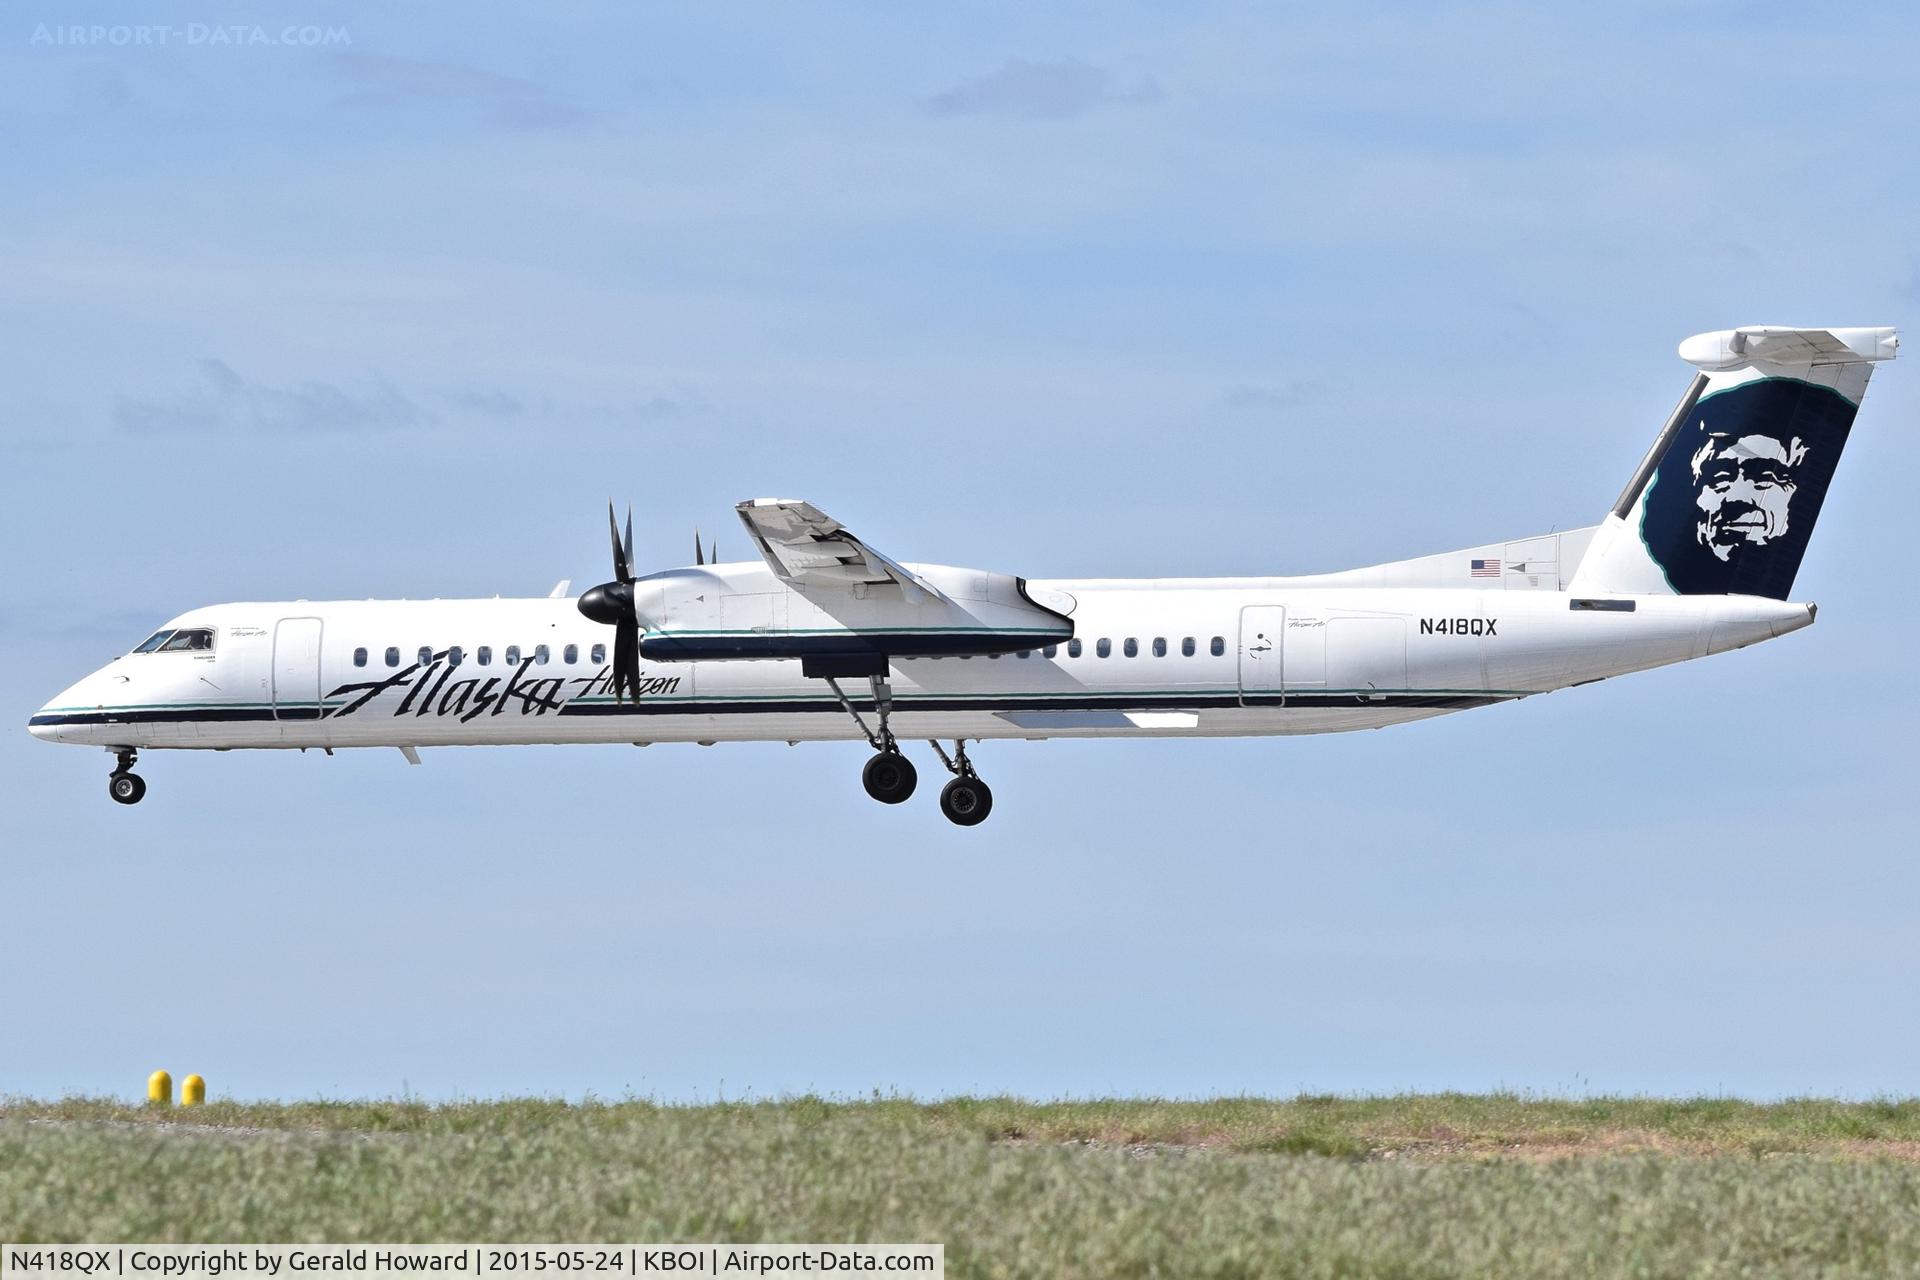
[(1754, 344)]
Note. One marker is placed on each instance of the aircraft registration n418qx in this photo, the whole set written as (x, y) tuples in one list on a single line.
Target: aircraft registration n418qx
[(826, 638)]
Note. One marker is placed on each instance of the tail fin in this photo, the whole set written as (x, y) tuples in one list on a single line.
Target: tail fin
[(1726, 499)]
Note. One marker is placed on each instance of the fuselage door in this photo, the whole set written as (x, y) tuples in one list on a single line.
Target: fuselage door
[(296, 669), (1263, 628)]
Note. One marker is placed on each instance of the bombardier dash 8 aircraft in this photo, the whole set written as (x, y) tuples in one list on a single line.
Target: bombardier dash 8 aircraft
[(826, 638)]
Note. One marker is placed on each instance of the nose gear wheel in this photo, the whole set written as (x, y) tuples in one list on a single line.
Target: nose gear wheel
[(124, 785)]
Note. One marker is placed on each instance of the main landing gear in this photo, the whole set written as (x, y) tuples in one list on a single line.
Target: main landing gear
[(124, 785), (966, 800), (890, 777)]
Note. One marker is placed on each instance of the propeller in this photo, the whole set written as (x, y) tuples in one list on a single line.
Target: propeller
[(612, 603), (711, 556)]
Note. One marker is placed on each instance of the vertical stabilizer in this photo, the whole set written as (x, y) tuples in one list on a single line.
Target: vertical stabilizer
[(1726, 499)]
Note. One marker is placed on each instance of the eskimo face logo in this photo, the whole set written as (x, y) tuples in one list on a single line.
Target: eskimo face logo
[(1744, 490), (1736, 492)]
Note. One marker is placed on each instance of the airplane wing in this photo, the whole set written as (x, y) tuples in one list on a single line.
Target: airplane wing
[(805, 547)]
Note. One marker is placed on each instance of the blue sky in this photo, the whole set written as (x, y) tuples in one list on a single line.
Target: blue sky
[(1067, 291)]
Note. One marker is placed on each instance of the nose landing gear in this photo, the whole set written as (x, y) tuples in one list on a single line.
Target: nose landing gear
[(124, 785)]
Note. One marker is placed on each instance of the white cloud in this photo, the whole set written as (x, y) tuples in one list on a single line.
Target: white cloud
[(382, 81), (1023, 90), (225, 402)]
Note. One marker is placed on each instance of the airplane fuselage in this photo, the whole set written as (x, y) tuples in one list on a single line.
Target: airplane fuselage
[(1209, 657)]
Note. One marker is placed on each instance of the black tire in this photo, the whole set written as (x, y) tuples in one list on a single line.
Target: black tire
[(126, 788), (966, 801), (889, 777)]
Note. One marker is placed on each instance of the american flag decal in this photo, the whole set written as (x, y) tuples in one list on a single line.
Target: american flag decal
[(1483, 568)]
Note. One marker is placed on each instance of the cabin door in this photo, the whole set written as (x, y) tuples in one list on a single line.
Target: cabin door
[(1263, 627), (296, 669)]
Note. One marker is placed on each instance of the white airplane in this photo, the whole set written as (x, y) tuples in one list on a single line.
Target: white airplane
[(825, 638)]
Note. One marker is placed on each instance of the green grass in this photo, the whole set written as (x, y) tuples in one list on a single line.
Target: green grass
[(1411, 1186)]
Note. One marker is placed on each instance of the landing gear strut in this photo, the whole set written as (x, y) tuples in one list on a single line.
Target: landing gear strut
[(124, 785), (966, 800), (889, 777)]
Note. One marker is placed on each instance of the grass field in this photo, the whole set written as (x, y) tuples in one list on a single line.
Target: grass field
[(1414, 1186)]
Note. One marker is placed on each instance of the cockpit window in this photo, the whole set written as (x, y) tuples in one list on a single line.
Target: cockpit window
[(195, 639), (189, 640)]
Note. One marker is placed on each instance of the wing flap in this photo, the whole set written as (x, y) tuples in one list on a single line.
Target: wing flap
[(806, 547)]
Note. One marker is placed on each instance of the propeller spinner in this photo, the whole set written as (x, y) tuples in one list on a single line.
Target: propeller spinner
[(612, 603)]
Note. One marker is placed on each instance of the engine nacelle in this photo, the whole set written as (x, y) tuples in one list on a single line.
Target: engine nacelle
[(742, 612)]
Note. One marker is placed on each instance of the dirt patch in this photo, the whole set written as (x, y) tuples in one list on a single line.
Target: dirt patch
[(1547, 1148)]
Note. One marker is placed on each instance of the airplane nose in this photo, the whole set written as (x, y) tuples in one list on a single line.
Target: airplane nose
[(51, 723), (42, 724)]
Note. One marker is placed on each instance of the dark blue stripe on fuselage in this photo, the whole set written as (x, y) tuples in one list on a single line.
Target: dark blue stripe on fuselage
[(903, 706), (164, 715)]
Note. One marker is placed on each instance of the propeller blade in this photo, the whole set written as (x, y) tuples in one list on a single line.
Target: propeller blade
[(697, 557), (713, 556), (621, 571), (611, 603), (626, 659)]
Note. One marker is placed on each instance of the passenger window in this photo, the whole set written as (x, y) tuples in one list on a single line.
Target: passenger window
[(188, 641), (540, 654), (393, 655), (597, 654), (1219, 646), (455, 656), (1103, 648), (1159, 646), (513, 655), (484, 655), (1186, 647), (153, 642), (570, 654), (1073, 648), (359, 657), (1131, 648), (426, 654), (1050, 651)]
